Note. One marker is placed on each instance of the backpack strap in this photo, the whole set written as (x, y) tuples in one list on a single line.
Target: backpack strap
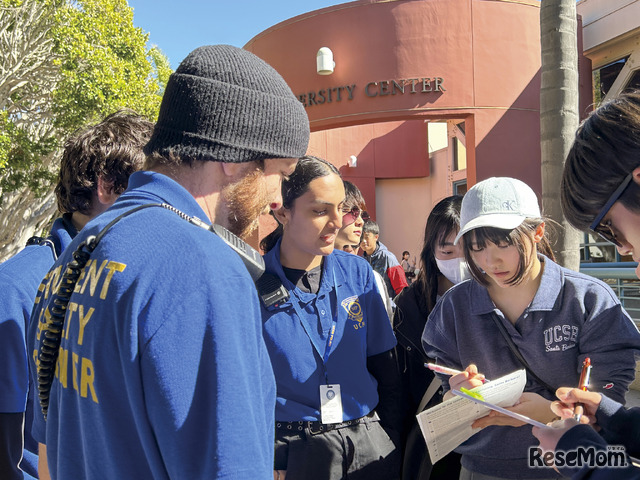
[(432, 389)]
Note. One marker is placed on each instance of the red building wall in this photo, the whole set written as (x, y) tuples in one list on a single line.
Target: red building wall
[(484, 52), (482, 62)]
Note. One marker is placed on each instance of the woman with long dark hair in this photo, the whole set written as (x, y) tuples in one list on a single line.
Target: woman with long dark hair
[(442, 265), (330, 343)]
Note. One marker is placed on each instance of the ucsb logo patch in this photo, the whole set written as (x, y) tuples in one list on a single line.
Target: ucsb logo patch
[(354, 311), (560, 338)]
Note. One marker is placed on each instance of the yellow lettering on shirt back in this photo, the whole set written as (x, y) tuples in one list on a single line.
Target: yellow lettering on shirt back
[(113, 268), (86, 379), (84, 319), (62, 366), (50, 277), (42, 325), (74, 370), (41, 288), (93, 276), (71, 308), (56, 280), (80, 366)]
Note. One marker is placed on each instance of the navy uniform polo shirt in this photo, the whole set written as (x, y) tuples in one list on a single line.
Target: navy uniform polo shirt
[(296, 338)]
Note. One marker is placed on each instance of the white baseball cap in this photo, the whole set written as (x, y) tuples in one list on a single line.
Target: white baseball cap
[(499, 202)]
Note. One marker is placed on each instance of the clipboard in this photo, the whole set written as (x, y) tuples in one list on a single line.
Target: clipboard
[(446, 425), (517, 416)]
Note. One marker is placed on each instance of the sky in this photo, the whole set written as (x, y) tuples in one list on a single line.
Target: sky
[(178, 27)]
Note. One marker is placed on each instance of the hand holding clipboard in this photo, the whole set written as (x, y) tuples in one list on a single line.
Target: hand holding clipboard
[(479, 400)]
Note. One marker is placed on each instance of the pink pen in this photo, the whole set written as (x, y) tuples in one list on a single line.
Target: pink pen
[(445, 370)]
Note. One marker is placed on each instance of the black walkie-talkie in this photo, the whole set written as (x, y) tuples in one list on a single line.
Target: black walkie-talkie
[(271, 291), (269, 286), (249, 255)]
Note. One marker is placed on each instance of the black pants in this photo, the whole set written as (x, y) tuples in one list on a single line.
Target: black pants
[(358, 452)]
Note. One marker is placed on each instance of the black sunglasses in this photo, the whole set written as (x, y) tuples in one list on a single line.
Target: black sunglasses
[(604, 230)]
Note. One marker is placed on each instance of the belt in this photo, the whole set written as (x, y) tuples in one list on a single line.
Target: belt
[(315, 427)]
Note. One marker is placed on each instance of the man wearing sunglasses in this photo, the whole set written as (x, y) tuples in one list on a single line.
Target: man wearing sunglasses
[(601, 193), (601, 179)]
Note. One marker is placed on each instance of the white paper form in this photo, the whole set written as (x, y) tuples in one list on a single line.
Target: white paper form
[(448, 424), (517, 416)]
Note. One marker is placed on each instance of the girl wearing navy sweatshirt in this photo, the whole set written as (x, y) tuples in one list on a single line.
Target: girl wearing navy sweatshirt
[(555, 317)]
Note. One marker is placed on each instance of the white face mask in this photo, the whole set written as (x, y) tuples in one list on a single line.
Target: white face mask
[(456, 269)]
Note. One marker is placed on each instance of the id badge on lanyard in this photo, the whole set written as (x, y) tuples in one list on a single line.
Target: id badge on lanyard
[(330, 404), (330, 396)]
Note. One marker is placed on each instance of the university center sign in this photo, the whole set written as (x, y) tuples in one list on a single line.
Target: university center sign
[(374, 89)]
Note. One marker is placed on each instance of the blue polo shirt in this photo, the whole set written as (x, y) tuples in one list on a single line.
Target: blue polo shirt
[(162, 371), (296, 338), (19, 280), (572, 316)]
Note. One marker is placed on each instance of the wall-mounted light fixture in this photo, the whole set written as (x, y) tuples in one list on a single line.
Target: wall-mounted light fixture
[(324, 61), (353, 161)]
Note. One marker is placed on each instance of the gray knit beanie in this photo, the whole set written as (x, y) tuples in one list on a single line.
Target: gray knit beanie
[(225, 104)]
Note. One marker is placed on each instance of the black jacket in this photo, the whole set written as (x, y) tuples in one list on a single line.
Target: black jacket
[(409, 321)]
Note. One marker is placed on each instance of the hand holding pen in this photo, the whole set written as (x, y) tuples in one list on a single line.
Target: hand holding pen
[(583, 384), (452, 371), (568, 399), (468, 378)]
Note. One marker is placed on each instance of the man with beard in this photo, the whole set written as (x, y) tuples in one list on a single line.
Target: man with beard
[(161, 367)]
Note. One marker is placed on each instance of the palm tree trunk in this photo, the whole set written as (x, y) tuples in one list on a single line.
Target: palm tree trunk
[(558, 115)]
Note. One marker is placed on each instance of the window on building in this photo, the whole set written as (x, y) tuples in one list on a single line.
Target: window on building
[(604, 77), (437, 136), (459, 150), (460, 187)]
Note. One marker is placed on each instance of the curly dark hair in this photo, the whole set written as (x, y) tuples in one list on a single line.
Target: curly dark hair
[(111, 149)]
